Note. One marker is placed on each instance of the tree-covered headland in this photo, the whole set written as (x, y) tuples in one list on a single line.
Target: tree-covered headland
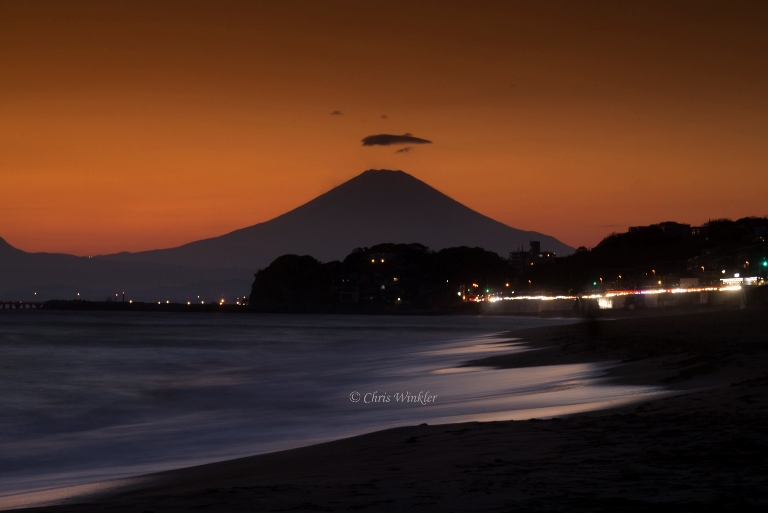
[(411, 277)]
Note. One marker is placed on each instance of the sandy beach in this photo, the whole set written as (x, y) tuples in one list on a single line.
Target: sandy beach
[(705, 448)]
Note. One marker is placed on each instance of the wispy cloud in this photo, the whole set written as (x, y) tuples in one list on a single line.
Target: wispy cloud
[(389, 139), (404, 150), (337, 113)]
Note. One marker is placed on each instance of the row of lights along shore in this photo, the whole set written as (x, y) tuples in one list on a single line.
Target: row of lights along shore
[(239, 301)]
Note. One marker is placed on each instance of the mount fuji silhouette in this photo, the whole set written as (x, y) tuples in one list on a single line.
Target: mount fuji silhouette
[(374, 207)]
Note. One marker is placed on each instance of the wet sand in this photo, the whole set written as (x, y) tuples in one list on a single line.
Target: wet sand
[(705, 449)]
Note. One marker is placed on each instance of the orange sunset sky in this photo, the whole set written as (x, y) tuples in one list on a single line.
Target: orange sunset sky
[(127, 126)]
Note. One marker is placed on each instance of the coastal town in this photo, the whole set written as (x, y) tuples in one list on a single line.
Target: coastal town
[(660, 265)]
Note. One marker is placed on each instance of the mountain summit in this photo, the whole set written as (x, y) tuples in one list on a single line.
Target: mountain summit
[(374, 207)]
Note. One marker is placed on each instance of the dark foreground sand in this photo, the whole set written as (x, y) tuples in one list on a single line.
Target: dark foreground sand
[(704, 450)]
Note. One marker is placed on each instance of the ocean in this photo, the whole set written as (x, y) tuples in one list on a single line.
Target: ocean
[(92, 396)]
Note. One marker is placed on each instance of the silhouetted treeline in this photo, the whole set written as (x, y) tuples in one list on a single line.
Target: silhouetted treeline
[(666, 252), (402, 277)]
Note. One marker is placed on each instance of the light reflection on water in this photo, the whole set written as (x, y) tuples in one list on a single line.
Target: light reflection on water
[(498, 345), (93, 396)]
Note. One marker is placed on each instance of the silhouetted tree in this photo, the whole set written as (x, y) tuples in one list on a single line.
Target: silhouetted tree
[(292, 283)]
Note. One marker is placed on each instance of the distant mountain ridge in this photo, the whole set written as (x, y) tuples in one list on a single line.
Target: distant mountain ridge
[(376, 206), (42, 276)]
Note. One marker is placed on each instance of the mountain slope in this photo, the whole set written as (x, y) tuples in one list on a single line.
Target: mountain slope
[(376, 206)]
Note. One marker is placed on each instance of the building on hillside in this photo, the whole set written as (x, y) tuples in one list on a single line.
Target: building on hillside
[(534, 256), (518, 259), (346, 288), (537, 256)]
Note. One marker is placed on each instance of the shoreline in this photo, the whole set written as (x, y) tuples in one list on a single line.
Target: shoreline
[(695, 450), (678, 350)]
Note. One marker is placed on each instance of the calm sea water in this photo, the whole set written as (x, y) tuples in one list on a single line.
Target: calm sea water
[(87, 397)]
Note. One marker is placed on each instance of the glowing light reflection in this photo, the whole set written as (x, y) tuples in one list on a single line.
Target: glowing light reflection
[(613, 293)]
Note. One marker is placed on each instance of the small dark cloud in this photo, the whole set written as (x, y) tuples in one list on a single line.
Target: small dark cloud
[(404, 150), (337, 113), (388, 139), (384, 116)]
